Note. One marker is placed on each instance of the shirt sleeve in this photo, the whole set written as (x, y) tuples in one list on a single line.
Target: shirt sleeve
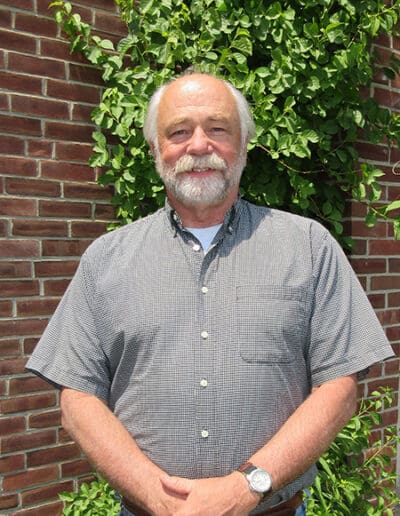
[(346, 336), (69, 353)]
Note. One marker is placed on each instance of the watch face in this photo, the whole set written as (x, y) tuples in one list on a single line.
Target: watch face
[(260, 481)]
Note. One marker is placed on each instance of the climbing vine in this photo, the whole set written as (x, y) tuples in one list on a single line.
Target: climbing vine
[(304, 66)]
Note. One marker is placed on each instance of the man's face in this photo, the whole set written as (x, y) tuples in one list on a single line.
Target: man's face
[(200, 155)]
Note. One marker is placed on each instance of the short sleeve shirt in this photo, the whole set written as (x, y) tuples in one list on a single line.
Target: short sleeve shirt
[(203, 357)]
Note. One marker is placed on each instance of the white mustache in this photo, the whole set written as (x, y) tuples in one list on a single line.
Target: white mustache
[(188, 162)]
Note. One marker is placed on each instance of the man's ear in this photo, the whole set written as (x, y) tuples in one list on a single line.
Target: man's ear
[(153, 149)]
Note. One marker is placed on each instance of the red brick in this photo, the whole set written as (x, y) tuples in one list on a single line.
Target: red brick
[(19, 248), (357, 228), (386, 247), (87, 191), (18, 166), (56, 268), (109, 23), (13, 327), (77, 467), (11, 144), (12, 425), (382, 382), (394, 299), (388, 317), (3, 387), (30, 478), (18, 207), (35, 24), (14, 269), (53, 509), (377, 300), (6, 308), (46, 493), (19, 288), (64, 247), (67, 171), (104, 211), (385, 282), (59, 50), (8, 501), (82, 112), (10, 347), (394, 265), (39, 107), (31, 307), (32, 187), (12, 366), (40, 227), (74, 92), (373, 152), (5, 18), (30, 344), (55, 287), (68, 131), (12, 463), (387, 97), (393, 333), (40, 148), (85, 73), (4, 227), (73, 151), (26, 384), (45, 419), (55, 454), (359, 248), (21, 4), (17, 82), (392, 367), (88, 229), (23, 403), (20, 125), (13, 40), (366, 265), (34, 65), (64, 209)]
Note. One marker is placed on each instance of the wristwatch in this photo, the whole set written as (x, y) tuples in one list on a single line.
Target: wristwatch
[(259, 480)]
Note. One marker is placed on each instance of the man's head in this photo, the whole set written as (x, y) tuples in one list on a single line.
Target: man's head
[(198, 127)]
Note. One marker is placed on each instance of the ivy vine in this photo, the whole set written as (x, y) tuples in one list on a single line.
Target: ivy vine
[(303, 65)]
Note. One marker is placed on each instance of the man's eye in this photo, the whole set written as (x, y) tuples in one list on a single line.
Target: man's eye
[(178, 132), (218, 129)]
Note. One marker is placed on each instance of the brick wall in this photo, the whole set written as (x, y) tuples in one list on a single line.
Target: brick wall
[(50, 210)]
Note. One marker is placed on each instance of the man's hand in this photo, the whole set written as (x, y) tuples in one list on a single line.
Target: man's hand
[(222, 496)]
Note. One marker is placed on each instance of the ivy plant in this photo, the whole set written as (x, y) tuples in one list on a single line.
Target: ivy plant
[(350, 482), (303, 65)]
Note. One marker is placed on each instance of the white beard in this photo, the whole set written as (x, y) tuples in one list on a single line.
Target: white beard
[(208, 190)]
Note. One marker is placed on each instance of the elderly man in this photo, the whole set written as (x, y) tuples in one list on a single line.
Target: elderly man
[(208, 354)]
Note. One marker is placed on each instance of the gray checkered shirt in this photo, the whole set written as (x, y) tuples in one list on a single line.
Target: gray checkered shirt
[(203, 357)]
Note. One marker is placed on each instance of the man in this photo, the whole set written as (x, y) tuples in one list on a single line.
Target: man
[(208, 354)]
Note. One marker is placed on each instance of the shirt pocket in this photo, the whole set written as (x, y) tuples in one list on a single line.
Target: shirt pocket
[(271, 323)]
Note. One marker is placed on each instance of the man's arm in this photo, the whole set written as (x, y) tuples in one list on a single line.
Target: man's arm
[(296, 446), (112, 451)]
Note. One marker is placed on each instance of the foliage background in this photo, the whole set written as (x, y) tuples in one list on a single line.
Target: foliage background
[(304, 66)]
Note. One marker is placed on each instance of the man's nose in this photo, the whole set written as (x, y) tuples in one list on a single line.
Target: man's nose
[(199, 142)]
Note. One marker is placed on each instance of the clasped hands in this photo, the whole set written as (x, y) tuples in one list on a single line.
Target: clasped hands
[(218, 496)]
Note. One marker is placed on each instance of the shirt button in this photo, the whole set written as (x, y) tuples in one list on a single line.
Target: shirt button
[(204, 335), (204, 434), (196, 247), (203, 382), (204, 290)]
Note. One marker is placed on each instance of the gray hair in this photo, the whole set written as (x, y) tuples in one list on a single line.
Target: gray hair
[(247, 126)]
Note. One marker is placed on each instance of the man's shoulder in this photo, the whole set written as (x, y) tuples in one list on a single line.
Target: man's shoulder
[(286, 221), (125, 237)]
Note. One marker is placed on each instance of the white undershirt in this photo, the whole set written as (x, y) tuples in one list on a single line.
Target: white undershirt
[(205, 235)]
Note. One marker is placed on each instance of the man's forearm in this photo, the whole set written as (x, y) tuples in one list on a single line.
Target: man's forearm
[(309, 431), (109, 447)]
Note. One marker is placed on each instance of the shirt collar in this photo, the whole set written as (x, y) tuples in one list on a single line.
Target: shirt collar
[(229, 224)]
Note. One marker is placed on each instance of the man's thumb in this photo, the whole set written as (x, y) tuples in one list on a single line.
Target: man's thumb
[(176, 485)]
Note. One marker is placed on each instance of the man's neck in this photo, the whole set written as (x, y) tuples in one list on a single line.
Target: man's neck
[(202, 216)]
